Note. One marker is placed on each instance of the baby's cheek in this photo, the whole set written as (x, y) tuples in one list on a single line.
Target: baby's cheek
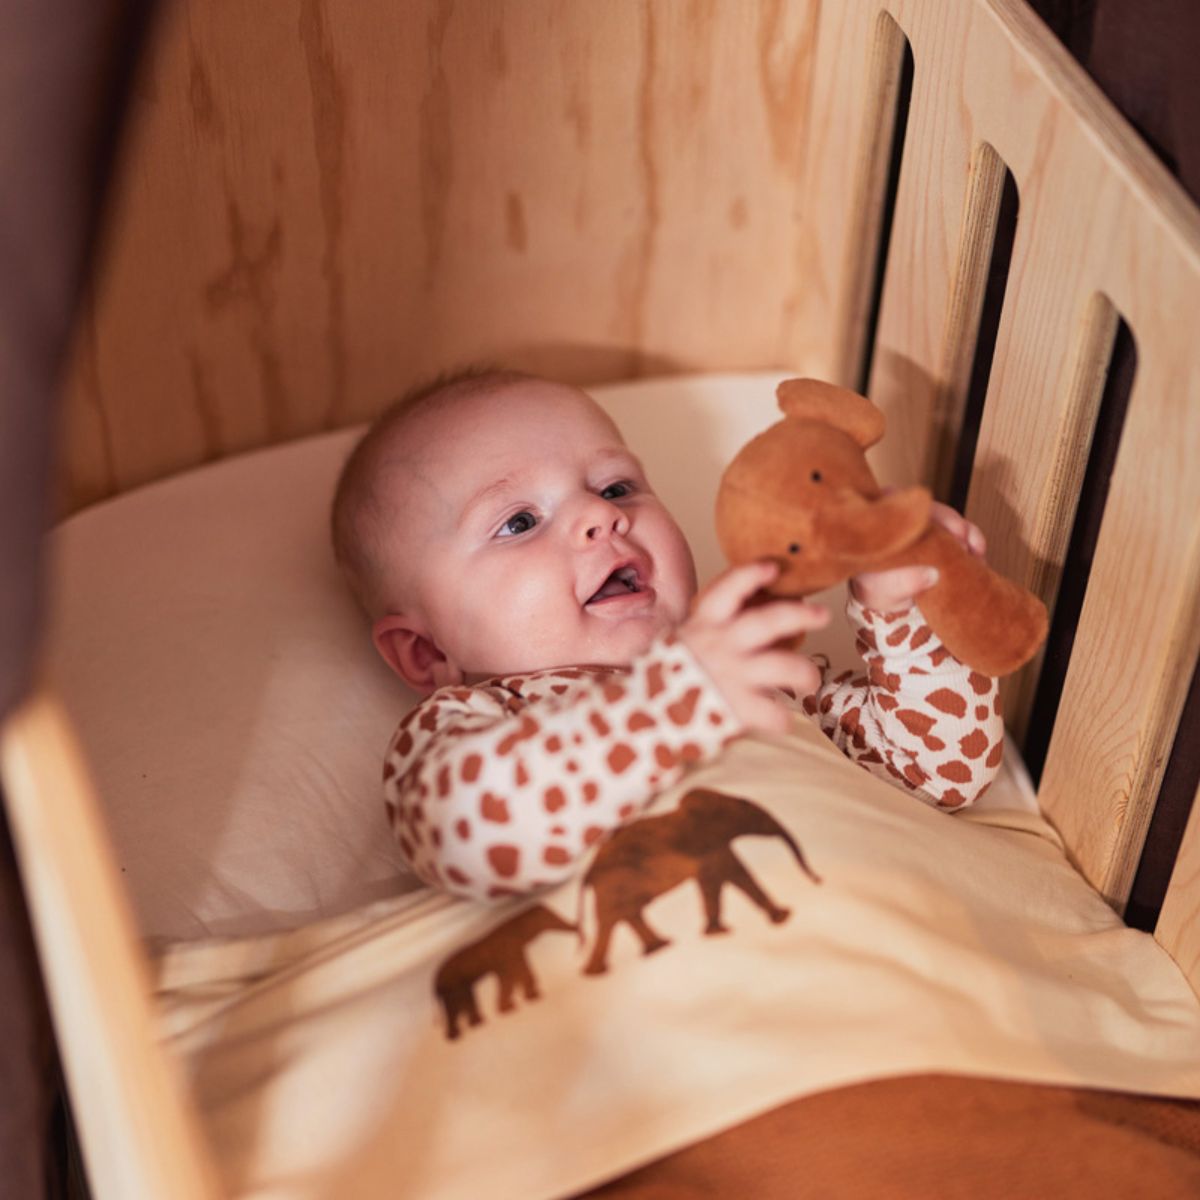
[(676, 566)]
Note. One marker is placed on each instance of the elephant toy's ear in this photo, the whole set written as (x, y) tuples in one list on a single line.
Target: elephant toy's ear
[(815, 400)]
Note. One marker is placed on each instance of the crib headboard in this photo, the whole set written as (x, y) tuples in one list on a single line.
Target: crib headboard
[(324, 201)]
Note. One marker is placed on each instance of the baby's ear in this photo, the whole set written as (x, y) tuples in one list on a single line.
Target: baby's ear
[(412, 655)]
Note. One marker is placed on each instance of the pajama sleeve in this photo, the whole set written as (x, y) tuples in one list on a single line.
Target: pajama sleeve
[(917, 716), (500, 789)]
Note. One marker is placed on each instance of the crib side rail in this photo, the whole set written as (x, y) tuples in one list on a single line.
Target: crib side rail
[(141, 1135), (1102, 233)]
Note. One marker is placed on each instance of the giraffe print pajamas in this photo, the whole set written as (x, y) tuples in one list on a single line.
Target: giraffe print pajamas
[(501, 788)]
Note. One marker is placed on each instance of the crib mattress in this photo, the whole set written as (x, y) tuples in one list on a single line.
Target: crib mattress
[(345, 1058)]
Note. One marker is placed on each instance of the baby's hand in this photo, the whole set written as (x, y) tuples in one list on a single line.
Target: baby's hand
[(895, 590), (736, 645)]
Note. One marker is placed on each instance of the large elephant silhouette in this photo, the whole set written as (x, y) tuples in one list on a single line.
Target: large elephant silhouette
[(501, 951), (646, 858)]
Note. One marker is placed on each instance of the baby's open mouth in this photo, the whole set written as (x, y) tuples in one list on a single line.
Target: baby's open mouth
[(621, 582)]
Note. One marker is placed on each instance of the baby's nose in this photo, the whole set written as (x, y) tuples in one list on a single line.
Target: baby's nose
[(603, 520)]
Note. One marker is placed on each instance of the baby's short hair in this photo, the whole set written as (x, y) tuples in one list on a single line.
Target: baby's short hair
[(359, 514)]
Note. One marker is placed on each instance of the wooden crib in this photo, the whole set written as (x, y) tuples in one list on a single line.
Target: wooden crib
[(323, 201)]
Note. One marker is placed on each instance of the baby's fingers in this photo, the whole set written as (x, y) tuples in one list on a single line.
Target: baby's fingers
[(761, 712), (783, 669), (967, 532), (724, 598), (892, 591), (757, 628)]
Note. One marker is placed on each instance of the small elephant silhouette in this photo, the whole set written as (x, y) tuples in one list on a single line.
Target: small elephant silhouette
[(501, 951), (646, 858)]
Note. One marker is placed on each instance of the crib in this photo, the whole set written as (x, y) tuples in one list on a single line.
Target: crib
[(322, 202)]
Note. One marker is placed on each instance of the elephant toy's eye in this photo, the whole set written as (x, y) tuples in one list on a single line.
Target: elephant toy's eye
[(794, 548), (816, 477)]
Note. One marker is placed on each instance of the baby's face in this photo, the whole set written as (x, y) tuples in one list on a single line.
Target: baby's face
[(525, 535)]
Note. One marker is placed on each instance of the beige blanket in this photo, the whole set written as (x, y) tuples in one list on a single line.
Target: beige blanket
[(852, 934)]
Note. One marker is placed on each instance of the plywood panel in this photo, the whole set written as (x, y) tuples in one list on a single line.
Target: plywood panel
[(324, 200)]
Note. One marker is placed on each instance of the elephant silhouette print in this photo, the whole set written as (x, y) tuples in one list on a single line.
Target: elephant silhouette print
[(500, 952), (644, 859), (638, 863)]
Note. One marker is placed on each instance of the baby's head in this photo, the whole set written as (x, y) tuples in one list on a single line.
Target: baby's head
[(496, 523)]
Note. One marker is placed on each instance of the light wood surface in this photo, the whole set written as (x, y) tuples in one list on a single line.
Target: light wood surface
[(141, 1135), (1178, 928), (1099, 217), (323, 201)]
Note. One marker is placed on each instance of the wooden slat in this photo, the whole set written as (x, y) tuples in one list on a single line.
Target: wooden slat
[(1178, 928), (141, 1136), (1098, 216)]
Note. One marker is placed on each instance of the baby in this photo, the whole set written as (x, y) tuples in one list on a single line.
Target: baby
[(521, 574)]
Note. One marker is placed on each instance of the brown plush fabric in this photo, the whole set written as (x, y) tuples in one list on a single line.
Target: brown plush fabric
[(935, 1135), (802, 493)]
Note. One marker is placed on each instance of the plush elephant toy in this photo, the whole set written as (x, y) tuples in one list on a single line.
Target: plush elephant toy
[(803, 494)]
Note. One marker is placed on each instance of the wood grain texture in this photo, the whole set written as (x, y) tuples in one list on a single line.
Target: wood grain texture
[(1178, 928), (323, 201), (1099, 217), (141, 1135)]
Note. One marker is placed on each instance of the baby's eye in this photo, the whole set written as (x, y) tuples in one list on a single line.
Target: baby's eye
[(616, 491), (521, 522)]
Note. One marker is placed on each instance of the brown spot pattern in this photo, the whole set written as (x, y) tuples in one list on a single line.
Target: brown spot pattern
[(955, 770), (654, 680), (620, 757), (681, 711), (974, 744), (947, 701), (527, 729), (917, 723), (504, 860), (493, 808)]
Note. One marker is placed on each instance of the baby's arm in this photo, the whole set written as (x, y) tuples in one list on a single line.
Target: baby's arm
[(501, 789), (918, 716), (498, 790)]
